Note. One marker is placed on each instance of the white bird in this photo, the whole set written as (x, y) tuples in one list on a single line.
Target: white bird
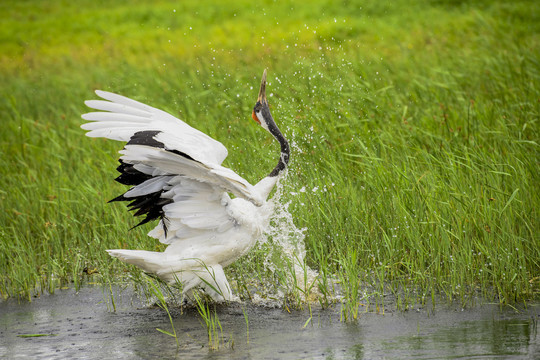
[(176, 176)]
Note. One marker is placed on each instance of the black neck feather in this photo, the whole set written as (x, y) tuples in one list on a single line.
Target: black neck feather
[(285, 150)]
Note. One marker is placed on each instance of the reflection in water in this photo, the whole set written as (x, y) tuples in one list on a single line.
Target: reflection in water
[(84, 328), (512, 337)]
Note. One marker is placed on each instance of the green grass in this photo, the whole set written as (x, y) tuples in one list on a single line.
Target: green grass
[(414, 130)]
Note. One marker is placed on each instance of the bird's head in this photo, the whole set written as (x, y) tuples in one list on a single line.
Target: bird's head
[(261, 111), (261, 114)]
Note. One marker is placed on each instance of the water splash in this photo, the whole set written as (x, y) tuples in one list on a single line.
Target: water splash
[(297, 278)]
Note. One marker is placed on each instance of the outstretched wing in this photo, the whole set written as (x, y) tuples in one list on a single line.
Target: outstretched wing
[(122, 117), (174, 169)]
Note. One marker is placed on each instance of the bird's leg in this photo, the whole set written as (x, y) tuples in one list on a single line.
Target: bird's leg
[(215, 284)]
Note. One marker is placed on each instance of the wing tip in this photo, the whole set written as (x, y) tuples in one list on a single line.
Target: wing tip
[(101, 93)]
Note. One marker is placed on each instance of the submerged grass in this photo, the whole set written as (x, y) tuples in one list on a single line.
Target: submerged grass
[(157, 292), (414, 129), (210, 320)]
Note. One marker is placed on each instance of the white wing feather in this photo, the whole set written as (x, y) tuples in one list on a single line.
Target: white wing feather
[(197, 210), (124, 117)]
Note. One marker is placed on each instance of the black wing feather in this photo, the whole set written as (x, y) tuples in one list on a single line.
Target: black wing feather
[(151, 204)]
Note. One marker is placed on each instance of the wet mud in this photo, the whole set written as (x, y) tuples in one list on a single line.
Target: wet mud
[(69, 325)]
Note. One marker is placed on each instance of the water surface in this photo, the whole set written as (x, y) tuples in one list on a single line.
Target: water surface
[(81, 326)]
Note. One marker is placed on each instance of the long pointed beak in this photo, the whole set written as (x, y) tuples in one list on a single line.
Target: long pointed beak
[(262, 91)]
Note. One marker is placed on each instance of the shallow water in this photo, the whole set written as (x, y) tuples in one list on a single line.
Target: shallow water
[(81, 326)]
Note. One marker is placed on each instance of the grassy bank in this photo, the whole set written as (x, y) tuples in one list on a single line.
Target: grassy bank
[(414, 131)]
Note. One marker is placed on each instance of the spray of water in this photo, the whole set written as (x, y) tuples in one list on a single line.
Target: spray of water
[(287, 252)]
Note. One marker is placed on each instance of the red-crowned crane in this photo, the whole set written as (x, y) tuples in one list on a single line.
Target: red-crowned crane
[(176, 176)]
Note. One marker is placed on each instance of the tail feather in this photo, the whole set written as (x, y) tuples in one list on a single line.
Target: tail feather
[(190, 272), (147, 260)]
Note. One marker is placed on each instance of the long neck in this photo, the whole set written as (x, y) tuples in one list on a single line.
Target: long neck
[(265, 186), (284, 156)]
